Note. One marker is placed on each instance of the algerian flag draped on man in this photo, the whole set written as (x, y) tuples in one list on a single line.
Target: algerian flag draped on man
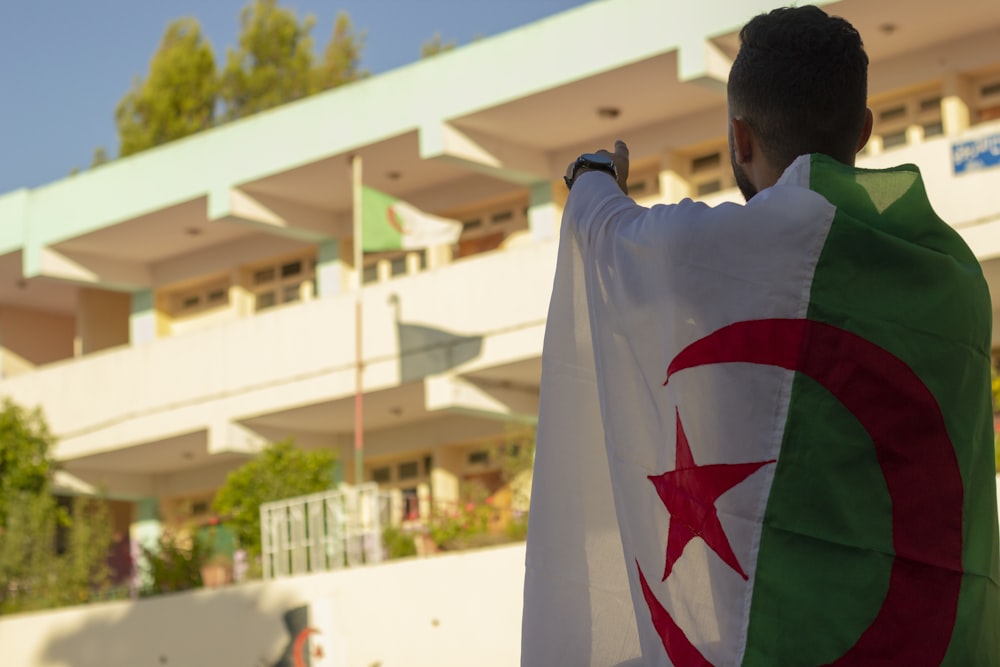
[(792, 398), (392, 224)]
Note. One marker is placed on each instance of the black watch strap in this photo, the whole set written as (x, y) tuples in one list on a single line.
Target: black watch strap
[(590, 162)]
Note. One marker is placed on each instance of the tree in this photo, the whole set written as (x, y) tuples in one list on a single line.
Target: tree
[(178, 96), (435, 45), (100, 157), (37, 569), (342, 57), (280, 471), (26, 465), (273, 64)]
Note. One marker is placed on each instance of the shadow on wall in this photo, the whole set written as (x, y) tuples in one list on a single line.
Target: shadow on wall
[(237, 626), (427, 350)]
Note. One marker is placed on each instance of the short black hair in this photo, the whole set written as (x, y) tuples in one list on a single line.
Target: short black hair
[(800, 81)]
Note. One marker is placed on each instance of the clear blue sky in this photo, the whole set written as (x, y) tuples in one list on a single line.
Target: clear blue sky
[(65, 64)]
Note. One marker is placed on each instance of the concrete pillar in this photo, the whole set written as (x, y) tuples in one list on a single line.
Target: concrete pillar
[(142, 320), (543, 213), (440, 255), (329, 268), (956, 104), (673, 186), (102, 320), (446, 475), (145, 532), (351, 276)]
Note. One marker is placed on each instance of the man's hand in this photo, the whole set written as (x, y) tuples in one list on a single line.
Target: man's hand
[(620, 158)]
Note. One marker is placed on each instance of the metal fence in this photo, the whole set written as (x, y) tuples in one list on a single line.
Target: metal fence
[(323, 531)]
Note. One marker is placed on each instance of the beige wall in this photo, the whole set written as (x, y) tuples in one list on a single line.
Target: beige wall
[(102, 319), (444, 611), (30, 338)]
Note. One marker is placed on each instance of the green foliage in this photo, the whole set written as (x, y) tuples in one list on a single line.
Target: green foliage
[(178, 96), (341, 61), (398, 544), (48, 556), (476, 520), (516, 454), (173, 565), (435, 45), (273, 63), (84, 574), (280, 471), (463, 525), (25, 460), (517, 529), (100, 157)]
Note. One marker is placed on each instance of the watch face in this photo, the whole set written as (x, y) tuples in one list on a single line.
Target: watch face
[(590, 161), (597, 159)]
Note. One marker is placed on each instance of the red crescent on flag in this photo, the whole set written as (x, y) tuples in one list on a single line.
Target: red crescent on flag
[(300, 643), (904, 420), (390, 214)]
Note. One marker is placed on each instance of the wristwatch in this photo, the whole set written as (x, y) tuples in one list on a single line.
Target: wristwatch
[(592, 161)]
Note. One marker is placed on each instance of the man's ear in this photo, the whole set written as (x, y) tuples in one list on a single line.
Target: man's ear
[(742, 140), (866, 131)]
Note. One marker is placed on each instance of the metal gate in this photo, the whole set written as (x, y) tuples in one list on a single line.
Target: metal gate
[(322, 531)]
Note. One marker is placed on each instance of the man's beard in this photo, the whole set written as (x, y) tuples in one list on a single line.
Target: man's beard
[(742, 181)]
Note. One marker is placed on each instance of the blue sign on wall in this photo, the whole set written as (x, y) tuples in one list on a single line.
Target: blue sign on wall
[(977, 154)]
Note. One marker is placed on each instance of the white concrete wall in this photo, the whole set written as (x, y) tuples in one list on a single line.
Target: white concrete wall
[(967, 201), (454, 610), (31, 338), (102, 319), (295, 355)]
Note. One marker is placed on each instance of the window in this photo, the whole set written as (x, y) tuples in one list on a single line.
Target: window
[(200, 298), (485, 228), (987, 100), (409, 470), (480, 457), (916, 117), (411, 504), (708, 172), (281, 282), (644, 181), (400, 474), (382, 265)]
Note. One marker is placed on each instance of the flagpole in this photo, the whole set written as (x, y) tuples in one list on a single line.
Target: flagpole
[(359, 431)]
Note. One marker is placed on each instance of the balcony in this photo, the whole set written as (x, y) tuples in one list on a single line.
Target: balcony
[(463, 337)]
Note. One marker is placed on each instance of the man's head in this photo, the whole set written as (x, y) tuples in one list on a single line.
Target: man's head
[(798, 85)]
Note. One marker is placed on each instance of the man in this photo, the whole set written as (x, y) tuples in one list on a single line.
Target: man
[(792, 398)]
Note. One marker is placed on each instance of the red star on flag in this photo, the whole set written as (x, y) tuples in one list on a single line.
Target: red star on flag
[(689, 492)]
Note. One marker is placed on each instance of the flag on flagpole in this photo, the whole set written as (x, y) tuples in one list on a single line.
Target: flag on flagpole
[(765, 433), (393, 224)]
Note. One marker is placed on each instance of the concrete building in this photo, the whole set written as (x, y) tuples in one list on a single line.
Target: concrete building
[(174, 310)]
